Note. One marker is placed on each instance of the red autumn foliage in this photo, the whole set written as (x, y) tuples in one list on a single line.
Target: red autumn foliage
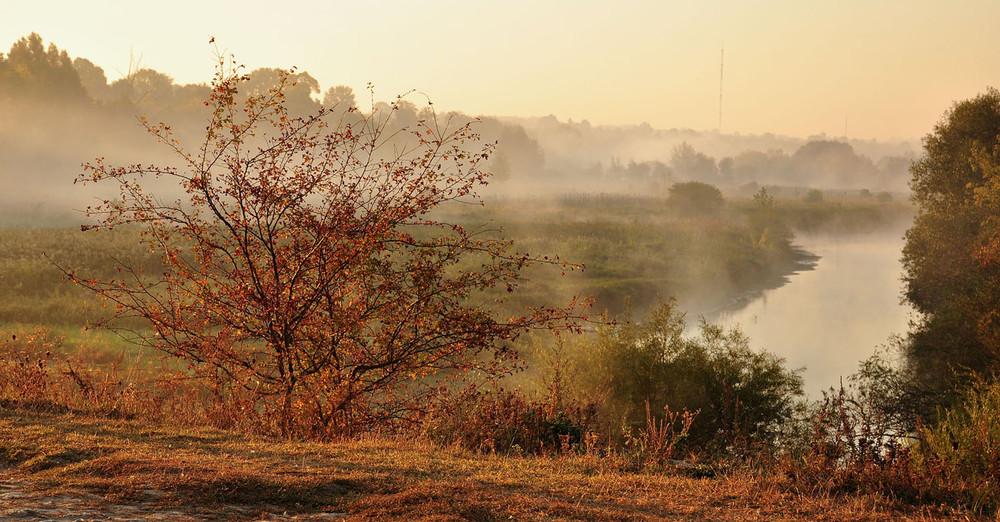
[(301, 269)]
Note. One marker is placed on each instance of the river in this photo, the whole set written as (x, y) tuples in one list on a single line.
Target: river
[(835, 315)]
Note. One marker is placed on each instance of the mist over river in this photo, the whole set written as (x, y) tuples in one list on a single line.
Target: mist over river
[(835, 315)]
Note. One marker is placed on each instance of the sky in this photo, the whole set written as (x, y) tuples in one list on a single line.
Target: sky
[(867, 69)]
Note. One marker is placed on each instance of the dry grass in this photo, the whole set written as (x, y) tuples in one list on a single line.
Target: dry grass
[(111, 464)]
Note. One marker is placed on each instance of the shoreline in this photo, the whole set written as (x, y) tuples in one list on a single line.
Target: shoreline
[(801, 260)]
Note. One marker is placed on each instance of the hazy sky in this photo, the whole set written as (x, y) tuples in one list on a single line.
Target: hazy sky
[(887, 68)]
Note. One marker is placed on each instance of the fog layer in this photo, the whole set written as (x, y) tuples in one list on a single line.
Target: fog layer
[(59, 112)]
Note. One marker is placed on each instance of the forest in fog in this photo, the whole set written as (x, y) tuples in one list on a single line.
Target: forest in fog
[(61, 111)]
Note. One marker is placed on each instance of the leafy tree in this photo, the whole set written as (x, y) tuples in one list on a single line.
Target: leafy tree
[(189, 100), (302, 275), (93, 79), (147, 89), (694, 198), (831, 163), (298, 88), (339, 95), (31, 71), (762, 167), (517, 153), (340, 101), (951, 271), (691, 164)]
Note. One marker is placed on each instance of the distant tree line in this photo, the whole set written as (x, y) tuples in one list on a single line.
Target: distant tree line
[(823, 163), (57, 109), (550, 150), (593, 152)]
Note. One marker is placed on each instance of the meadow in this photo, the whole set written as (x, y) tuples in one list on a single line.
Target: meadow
[(636, 251), (82, 411)]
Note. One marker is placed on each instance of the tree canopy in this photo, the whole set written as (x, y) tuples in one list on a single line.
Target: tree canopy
[(30, 70), (951, 254)]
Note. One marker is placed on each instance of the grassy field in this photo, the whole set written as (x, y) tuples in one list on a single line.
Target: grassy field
[(94, 428), (633, 248), (636, 251), (83, 466), (638, 248)]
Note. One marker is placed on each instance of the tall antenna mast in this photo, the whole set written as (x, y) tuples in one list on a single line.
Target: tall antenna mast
[(722, 63)]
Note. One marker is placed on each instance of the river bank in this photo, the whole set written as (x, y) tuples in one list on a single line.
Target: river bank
[(830, 316)]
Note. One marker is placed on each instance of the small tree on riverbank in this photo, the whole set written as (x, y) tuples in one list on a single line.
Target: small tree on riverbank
[(302, 275)]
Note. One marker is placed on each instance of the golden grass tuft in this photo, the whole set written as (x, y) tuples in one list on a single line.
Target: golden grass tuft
[(213, 473)]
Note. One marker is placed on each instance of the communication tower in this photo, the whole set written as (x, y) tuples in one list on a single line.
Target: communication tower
[(722, 64)]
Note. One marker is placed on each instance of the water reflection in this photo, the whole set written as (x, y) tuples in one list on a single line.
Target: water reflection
[(830, 318)]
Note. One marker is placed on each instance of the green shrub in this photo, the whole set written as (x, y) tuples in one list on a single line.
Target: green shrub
[(743, 395)]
